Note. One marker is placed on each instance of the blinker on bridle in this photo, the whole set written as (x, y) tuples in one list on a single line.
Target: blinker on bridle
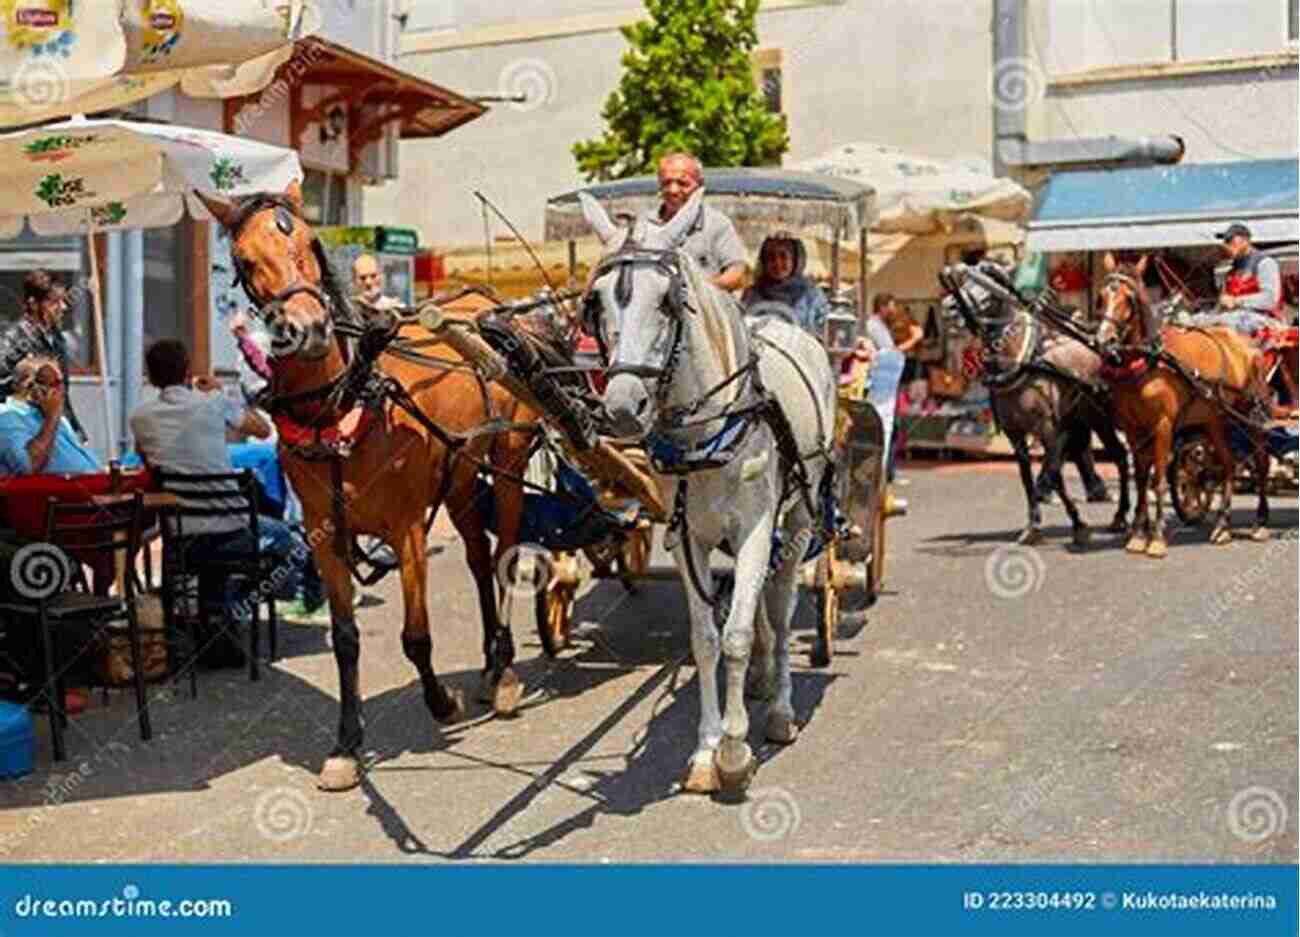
[(269, 308)]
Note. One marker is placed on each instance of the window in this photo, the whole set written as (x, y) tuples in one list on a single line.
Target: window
[(1293, 20), (167, 285), (67, 259), (325, 198), (768, 78)]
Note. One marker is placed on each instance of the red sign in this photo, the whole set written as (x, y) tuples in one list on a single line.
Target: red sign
[(162, 22), (34, 17)]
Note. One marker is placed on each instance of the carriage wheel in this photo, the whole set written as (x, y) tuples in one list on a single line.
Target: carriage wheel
[(1193, 479), (876, 571), (634, 557), (554, 610), (828, 609)]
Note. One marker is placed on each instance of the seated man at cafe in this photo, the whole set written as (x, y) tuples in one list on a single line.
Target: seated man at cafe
[(781, 285), (36, 437), (184, 431)]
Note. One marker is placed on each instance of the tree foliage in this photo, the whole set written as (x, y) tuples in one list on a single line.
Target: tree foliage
[(688, 84)]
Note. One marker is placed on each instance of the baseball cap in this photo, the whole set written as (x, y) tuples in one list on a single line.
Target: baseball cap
[(1232, 230)]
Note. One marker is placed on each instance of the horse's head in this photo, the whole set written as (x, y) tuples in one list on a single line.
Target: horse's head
[(1124, 302), (636, 307), (283, 270)]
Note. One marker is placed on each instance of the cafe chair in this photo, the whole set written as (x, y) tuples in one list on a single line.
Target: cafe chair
[(200, 498), (51, 589)]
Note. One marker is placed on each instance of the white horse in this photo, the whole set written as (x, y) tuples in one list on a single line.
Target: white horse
[(682, 379)]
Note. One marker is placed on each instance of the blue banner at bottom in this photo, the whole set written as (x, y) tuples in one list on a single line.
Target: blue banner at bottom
[(674, 900)]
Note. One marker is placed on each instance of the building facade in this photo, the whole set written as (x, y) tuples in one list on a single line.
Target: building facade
[(340, 101), (840, 70)]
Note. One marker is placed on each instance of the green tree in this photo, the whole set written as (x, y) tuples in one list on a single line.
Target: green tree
[(687, 85)]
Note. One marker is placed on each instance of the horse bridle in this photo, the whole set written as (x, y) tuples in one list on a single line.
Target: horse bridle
[(269, 308), (675, 306), (1123, 279)]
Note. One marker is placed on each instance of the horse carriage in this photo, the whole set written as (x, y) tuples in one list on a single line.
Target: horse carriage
[(846, 575)]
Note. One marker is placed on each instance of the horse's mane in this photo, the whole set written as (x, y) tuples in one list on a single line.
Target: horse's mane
[(246, 206), (1145, 314)]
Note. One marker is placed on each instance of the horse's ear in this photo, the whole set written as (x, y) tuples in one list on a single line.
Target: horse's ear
[(1109, 262), (598, 218), (676, 230), (1141, 267), (221, 209), (293, 192)]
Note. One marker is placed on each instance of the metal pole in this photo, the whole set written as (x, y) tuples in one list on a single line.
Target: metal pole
[(133, 318), (863, 261), (573, 264), (110, 433), (835, 263)]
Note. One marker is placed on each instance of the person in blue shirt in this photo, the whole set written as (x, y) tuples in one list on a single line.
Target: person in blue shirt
[(35, 435), (782, 287)]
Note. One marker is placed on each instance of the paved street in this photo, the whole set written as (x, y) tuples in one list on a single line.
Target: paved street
[(1045, 705)]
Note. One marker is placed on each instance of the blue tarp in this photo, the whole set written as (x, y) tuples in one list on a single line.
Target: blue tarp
[(1167, 206)]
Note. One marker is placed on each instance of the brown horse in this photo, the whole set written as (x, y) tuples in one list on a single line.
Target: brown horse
[(1153, 402), (396, 468)]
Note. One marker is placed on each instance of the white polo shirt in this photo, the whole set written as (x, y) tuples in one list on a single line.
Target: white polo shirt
[(184, 430)]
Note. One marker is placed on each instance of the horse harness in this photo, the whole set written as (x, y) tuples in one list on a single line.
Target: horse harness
[(667, 455)]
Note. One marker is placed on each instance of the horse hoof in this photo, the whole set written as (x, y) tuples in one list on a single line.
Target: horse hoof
[(781, 728), (1136, 544), (736, 765), (1082, 536), (507, 693), (1029, 536), (339, 773), (456, 712), (1260, 535), (1221, 537), (1157, 549), (701, 777)]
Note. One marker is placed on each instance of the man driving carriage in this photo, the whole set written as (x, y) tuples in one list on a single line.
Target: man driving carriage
[(1252, 295), (712, 240)]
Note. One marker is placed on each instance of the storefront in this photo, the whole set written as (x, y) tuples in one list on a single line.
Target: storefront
[(1169, 212), (342, 111)]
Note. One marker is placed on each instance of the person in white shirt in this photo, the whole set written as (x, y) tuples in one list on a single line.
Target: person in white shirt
[(184, 430)]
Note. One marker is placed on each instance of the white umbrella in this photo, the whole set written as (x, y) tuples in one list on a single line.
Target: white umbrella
[(90, 176), (62, 57), (921, 195)]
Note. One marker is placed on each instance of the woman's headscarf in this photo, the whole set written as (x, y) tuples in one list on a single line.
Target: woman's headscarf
[(794, 286)]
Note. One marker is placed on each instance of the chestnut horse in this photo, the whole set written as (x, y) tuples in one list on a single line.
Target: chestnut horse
[(1154, 401), (397, 467)]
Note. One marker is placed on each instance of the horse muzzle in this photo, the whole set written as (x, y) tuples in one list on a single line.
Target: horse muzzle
[(289, 338), (628, 406)]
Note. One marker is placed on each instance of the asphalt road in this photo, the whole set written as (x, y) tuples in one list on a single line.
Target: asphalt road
[(998, 705)]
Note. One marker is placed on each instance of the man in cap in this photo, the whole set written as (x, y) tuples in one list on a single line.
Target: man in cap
[(712, 240), (1252, 294)]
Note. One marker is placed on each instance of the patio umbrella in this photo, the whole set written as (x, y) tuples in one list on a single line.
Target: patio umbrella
[(919, 194), (90, 176), (63, 57)]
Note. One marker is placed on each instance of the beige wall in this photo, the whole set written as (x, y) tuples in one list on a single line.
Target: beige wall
[(1221, 74), (908, 73)]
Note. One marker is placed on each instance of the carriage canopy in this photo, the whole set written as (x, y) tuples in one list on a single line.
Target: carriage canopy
[(758, 201)]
